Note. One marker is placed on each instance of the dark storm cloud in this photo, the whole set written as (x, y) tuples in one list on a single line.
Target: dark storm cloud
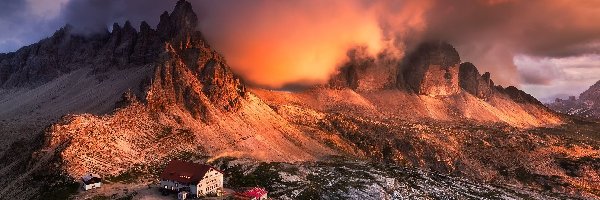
[(21, 25), (90, 16), (10, 8), (491, 33), (25, 22), (541, 28)]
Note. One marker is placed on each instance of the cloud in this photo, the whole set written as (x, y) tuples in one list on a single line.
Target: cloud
[(90, 16), (274, 43), (22, 25), (547, 78), (46, 9), (10, 8), (537, 71), (491, 33)]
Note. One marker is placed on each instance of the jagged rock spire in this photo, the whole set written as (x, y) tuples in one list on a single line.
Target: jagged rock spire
[(145, 27), (183, 16), (181, 20), (475, 83)]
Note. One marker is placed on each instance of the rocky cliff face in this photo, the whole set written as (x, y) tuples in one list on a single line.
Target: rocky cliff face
[(190, 70), (474, 83), (587, 106), (431, 69)]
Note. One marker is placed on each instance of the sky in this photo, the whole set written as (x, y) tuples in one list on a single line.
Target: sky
[(549, 48)]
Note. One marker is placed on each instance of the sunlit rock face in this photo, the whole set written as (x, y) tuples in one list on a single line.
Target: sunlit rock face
[(439, 81), (432, 70)]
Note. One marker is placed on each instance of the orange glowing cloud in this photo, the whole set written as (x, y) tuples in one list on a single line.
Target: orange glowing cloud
[(286, 42), (273, 43), (289, 42)]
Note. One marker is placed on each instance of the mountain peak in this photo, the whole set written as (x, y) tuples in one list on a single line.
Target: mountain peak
[(184, 16), (437, 53), (182, 19), (432, 69)]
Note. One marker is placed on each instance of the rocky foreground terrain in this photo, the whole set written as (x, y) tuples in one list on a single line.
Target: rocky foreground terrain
[(123, 103), (586, 106), (347, 179)]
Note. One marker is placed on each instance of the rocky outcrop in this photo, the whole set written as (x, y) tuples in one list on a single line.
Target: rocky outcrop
[(190, 73), (474, 83), (431, 69), (434, 69)]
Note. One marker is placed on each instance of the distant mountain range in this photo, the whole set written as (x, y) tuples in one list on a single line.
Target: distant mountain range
[(586, 106), (132, 99)]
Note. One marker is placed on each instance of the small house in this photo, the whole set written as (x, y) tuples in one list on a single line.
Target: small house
[(197, 179), (91, 181), (182, 195), (255, 193)]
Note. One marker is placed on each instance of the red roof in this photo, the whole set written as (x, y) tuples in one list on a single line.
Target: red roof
[(185, 172), (254, 192)]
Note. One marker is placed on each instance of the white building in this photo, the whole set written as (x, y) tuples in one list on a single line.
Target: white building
[(91, 181), (198, 179)]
